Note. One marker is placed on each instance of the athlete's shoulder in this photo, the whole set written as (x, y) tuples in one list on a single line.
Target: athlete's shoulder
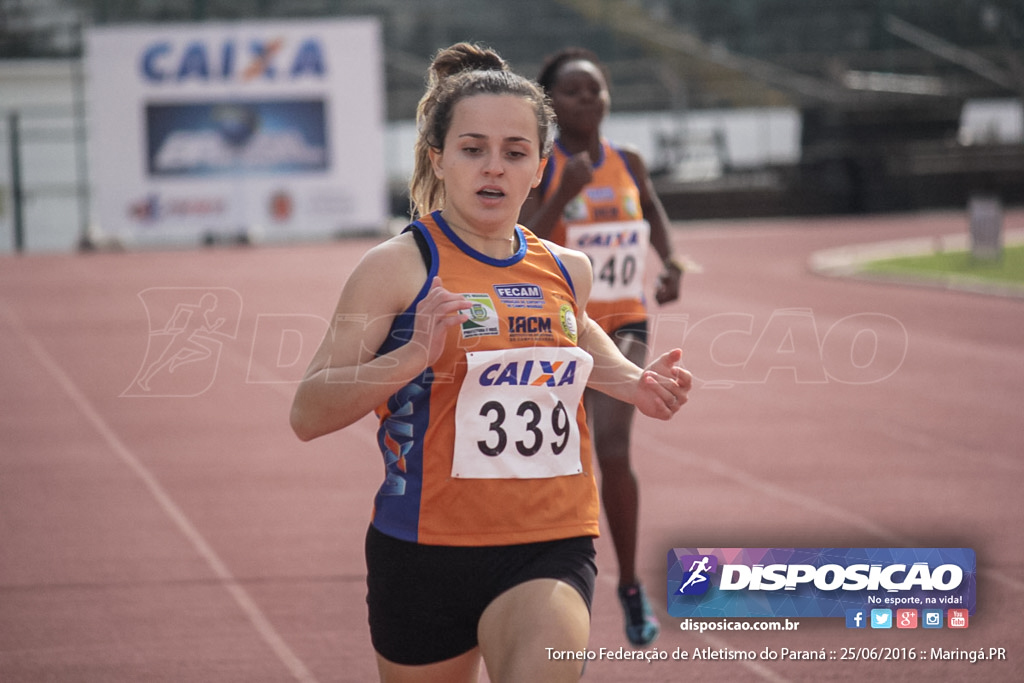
[(390, 273), (624, 151), (576, 263), (634, 161), (396, 253)]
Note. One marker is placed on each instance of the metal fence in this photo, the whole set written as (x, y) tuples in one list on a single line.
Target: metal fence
[(44, 191)]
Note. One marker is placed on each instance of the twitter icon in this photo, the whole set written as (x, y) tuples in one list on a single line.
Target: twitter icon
[(881, 618)]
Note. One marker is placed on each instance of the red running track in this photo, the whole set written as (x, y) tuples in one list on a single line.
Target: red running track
[(170, 527)]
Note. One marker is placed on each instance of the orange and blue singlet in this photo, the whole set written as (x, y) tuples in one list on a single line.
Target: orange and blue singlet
[(489, 445), (606, 222)]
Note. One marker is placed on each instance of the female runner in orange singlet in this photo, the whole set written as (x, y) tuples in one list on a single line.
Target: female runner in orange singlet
[(468, 337)]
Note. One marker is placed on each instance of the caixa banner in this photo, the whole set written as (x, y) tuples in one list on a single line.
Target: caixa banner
[(224, 130), (817, 582)]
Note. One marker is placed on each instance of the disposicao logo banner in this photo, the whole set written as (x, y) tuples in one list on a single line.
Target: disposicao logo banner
[(817, 582)]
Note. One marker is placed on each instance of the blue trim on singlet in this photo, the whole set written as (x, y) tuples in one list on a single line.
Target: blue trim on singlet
[(565, 272), (595, 164), (397, 503), (470, 251), (625, 162), (402, 326), (549, 170)]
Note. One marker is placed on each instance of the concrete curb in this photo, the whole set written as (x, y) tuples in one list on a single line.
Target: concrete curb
[(849, 262)]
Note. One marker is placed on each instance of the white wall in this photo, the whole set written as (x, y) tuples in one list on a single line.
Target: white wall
[(752, 138), (992, 122)]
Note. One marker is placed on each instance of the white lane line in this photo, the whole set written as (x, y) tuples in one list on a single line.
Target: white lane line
[(255, 615), (797, 499), (999, 577)]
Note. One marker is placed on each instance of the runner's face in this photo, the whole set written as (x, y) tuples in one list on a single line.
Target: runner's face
[(490, 161), (580, 97)]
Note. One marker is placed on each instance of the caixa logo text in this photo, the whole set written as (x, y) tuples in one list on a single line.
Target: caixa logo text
[(623, 238), (231, 60), (830, 577), (529, 373)]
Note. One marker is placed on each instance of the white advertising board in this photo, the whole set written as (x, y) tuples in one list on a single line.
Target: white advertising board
[(273, 130)]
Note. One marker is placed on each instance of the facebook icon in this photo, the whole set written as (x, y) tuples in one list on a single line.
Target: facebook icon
[(856, 618)]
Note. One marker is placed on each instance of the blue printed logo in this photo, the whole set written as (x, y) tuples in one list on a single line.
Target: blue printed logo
[(881, 618), (520, 295), (696, 580), (931, 618), (856, 618), (818, 582), (267, 59)]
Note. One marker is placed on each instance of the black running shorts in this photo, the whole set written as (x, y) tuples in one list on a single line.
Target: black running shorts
[(425, 601)]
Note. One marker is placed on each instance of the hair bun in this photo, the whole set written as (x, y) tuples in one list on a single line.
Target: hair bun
[(466, 57)]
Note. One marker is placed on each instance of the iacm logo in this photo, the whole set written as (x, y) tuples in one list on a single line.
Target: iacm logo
[(529, 324)]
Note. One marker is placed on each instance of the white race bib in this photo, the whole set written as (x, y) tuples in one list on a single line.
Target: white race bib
[(617, 252), (516, 413)]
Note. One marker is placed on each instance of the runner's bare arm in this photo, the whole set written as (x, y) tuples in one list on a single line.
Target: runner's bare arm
[(657, 391), (670, 279), (541, 215), (346, 379)]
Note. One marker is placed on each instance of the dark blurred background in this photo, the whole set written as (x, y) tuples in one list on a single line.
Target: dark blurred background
[(900, 104)]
